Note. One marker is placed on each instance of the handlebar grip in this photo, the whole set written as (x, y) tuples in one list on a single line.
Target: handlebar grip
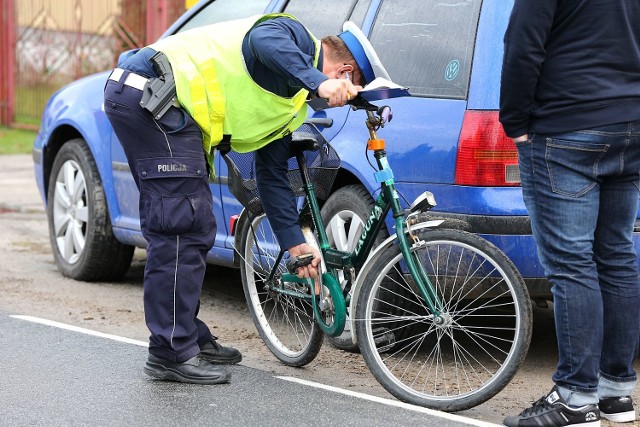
[(325, 122)]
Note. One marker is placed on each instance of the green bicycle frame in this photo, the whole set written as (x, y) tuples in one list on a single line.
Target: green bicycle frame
[(351, 263), (388, 199)]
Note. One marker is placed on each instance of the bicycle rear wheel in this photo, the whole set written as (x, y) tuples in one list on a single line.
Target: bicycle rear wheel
[(472, 350), (285, 323)]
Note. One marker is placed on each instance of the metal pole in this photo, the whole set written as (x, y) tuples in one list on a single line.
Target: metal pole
[(157, 19), (7, 60), (160, 14)]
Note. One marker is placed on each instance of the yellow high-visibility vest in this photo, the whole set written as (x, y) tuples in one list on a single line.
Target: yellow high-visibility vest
[(213, 85)]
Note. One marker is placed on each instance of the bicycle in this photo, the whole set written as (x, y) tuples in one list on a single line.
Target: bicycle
[(441, 316)]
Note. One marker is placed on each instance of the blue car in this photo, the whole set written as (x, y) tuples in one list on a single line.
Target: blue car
[(446, 138)]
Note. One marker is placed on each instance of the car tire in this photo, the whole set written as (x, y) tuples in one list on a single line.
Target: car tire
[(80, 231), (346, 208)]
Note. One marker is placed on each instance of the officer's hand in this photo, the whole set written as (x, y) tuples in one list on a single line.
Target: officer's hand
[(311, 270), (337, 91)]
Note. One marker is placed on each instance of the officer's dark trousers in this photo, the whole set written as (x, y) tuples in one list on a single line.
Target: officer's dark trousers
[(176, 217)]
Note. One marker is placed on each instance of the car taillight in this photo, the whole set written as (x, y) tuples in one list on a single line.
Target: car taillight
[(486, 156)]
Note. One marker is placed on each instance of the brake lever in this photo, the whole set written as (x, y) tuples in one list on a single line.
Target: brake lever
[(359, 103)]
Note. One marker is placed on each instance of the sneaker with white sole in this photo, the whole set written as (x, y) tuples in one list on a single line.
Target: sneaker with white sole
[(552, 411), (617, 409)]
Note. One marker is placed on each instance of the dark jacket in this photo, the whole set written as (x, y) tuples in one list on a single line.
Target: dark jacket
[(279, 57), (570, 65)]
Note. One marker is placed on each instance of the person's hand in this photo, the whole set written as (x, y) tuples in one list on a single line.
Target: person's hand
[(309, 271), (337, 91), (522, 138)]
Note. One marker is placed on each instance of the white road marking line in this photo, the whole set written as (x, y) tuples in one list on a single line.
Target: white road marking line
[(78, 329), (445, 415)]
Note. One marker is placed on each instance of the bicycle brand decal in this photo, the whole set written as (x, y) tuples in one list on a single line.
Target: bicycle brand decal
[(452, 70), (376, 213)]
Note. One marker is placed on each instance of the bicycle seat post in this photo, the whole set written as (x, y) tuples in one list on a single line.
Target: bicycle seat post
[(312, 200)]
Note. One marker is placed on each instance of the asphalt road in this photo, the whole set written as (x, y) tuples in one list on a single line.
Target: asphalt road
[(53, 376)]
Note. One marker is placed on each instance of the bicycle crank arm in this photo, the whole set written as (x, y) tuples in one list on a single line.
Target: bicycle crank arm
[(337, 316), (292, 278)]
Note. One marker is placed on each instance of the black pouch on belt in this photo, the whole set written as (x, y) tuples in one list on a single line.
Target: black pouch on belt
[(159, 94)]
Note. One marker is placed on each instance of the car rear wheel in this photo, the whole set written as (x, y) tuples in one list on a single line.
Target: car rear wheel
[(82, 239), (345, 214)]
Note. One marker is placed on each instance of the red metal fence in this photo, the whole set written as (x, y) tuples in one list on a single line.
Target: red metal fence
[(45, 44)]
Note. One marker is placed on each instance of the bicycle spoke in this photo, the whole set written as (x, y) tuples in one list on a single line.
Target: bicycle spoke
[(284, 321), (463, 355)]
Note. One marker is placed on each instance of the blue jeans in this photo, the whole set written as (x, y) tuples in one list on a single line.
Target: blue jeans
[(581, 192)]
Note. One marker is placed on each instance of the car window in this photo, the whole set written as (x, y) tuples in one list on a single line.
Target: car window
[(326, 18), (427, 45), (225, 10)]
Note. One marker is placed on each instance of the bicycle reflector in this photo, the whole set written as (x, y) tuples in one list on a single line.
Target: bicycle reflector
[(486, 156), (233, 221)]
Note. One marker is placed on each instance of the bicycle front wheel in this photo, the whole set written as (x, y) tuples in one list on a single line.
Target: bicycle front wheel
[(472, 349), (285, 322)]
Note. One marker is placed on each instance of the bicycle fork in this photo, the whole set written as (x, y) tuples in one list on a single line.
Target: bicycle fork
[(384, 176), (418, 274)]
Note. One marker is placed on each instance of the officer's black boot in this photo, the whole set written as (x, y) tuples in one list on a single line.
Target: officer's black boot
[(195, 370), (215, 353)]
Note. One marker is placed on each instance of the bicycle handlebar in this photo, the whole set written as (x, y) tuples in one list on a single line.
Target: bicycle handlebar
[(377, 116), (359, 103)]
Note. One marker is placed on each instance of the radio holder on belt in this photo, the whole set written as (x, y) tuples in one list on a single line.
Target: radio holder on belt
[(159, 94)]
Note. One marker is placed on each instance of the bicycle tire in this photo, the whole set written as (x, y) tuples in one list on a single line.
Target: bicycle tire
[(286, 324), (477, 350)]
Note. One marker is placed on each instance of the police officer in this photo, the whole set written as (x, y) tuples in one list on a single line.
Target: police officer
[(245, 82)]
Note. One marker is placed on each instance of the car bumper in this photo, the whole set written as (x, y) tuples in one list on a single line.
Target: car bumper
[(513, 235)]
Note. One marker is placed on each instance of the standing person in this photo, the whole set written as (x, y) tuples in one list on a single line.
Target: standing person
[(570, 99), (245, 83)]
